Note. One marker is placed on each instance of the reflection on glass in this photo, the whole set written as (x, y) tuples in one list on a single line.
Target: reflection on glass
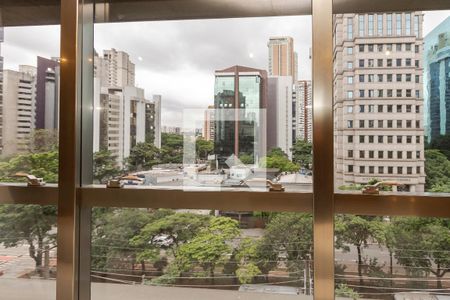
[(28, 252), (226, 253), (392, 257), (407, 86), (172, 116)]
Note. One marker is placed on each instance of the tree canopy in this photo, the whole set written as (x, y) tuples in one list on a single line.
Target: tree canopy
[(302, 154)]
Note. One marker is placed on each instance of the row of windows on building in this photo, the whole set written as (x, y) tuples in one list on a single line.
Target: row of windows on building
[(383, 25), (381, 139), (380, 123), (390, 154), (380, 93), (377, 78), (380, 63), (381, 169), (384, 48), (390, 108)]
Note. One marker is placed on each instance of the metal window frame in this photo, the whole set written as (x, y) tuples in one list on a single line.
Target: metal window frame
[(75, 198)]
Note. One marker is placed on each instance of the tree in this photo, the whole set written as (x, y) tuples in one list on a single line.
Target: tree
[(171, 148), (178, 228), (441, 143), (342, 290), (43, 140), (437, 168), (113, 232), (276, 158), (246, 159), (143, 156), (105, 166), (302, 154), (210, 247), (203, 148), (423, 243), (44, 164), (32, 225), (357, 231)]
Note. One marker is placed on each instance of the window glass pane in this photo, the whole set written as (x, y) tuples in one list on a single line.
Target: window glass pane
[(230, 112), (200, 254), (410, 102), (28, 252), (29, 96), (391, 257)]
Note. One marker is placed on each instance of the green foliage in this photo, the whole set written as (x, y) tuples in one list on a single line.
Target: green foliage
[(203, 148), (351, 187), (178, 228), (30, 224), (302, 154), (441, 143), (210, 247), (44, 164), (246, 159), (143, 156), (105, 166), (437, 168), (245, 273), (342, 290), (113, 230), (422, 243), (276, 158), (171, 148), (43, 140), (290, 233)]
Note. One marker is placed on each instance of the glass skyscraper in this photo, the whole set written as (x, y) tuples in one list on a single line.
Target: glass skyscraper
[(239, 100), (437, 81)]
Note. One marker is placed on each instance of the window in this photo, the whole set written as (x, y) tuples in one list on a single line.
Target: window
[(349, 108), (361, 25), (416, 49), (408, 123), (361, 108), (350, 79), (371, 154), (398, 47), (350, 139), (399, 93), (389, 77), (380, 154), (380, 77), (389, 94), (399, 77), (380, 93), (370, 47), (350, 168), (361, 123), (389, 24), (389, 139), (350, 94), (398, 62), (380, 139), (417, 78), (371, 139), (370, 25), (399, 108), (408, 93), (361, 78), (408, 47), (361, 154), (349, 28), (390, 154), (409, 154), (371, 123), (380, 24), (361, 93), (361, 139), (408, 77), (399, 139), (389, 107), (350, 153), (389, 62), (361, 63), (417, 109), (417, 123), (390, 170), (418, 139), (371, 77), (416, 25), (408, 139), (408, 23), (350, 124), (380, 108), (398, 24), (371, 93), (399, 123), (408, 62), (371, 108), (399, 170), (380, 170), (409, 170), (361, 47), (379, 62), (371, 169), (389, 124), (349, 50), (349, 65)]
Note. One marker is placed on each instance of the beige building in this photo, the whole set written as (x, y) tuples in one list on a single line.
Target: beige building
[(19, 109), (208, 126), (378, 99), (114, 69), (303, 110), (282, 57)]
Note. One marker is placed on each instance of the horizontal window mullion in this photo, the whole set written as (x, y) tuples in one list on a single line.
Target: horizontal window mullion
[(393, 205), (178, 199), (360, 6), (22, 194)]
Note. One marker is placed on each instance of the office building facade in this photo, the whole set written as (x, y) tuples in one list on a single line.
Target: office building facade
[(208, 124), (283, 60), (437, 81), (240, 99), (303, 110), (19, 109), (47, 93), (279, 113), (378, 99)]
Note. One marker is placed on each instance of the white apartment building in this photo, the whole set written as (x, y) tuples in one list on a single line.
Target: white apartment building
[(18, 111), (302, 121), (279, 113), (378, 99), (114, 69)]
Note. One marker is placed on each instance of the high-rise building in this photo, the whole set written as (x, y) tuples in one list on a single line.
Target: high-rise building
[(283, 60), (279, 113), (123, 117), (47, 93), (114, 69), (240, 99), (208, 125), (303, 110), (19, 109), (378, 104), (437, 81)]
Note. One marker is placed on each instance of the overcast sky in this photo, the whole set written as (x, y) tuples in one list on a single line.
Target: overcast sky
[(177, 59)]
